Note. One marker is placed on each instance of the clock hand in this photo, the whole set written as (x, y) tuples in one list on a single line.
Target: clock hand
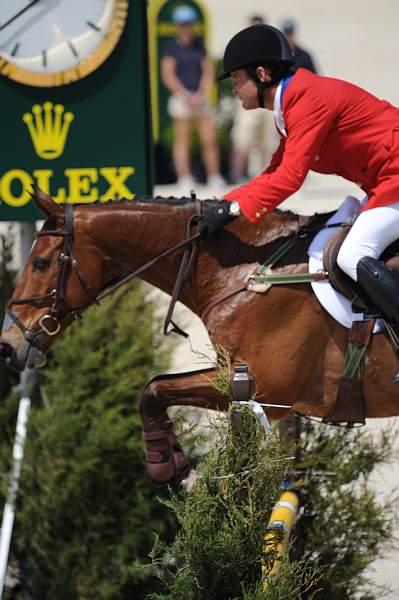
[(21, 12)]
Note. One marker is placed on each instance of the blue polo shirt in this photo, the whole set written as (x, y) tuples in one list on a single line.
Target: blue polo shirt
[(188, 62)]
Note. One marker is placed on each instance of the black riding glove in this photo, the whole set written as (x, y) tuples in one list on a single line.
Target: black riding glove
[(214, 218)]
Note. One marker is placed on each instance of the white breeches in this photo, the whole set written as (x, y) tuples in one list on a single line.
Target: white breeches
[(372, 232)]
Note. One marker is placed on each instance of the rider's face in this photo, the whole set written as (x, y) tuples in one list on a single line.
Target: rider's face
[(245, 88)]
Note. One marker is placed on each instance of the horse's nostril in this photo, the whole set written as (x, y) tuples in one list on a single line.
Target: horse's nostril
[(6, 350)]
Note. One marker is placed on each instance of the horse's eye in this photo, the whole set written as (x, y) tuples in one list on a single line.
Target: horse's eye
[(40, 264)]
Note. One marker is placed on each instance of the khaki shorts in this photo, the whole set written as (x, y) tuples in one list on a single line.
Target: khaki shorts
[(178, 108)]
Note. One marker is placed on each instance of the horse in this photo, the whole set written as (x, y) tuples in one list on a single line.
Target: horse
[(293, 348)]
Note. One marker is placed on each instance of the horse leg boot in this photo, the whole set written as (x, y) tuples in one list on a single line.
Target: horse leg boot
[(382, 286), (166, 463)]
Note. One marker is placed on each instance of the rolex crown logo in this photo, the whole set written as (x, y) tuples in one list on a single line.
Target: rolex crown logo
[(48, 127)]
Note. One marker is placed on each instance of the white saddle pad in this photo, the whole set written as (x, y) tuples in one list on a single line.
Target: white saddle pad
[(332, 301)]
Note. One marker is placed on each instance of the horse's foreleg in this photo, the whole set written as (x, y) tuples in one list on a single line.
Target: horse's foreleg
[(166, 462)]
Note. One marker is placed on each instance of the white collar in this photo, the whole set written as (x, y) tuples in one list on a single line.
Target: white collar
[(277, 110)]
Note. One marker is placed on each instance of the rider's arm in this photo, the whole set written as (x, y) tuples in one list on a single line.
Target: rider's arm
[(277, 157), (309, 118)]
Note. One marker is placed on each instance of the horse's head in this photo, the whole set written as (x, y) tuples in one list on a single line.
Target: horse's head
[(61, 277)]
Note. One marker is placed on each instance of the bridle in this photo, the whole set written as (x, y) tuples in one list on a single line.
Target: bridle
[(52, 321), (61, 311)]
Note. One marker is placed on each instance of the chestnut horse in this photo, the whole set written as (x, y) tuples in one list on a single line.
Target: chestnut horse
[(294, 349)]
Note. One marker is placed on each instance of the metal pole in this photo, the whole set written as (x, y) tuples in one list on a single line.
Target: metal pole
[(28, 380)]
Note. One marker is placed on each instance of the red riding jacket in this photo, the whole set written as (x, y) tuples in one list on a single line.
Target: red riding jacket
[(332, 127)]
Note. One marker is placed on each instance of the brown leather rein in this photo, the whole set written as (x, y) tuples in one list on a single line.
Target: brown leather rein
[(51, 323)]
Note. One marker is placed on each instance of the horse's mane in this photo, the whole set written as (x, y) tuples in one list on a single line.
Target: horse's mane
[(173, 201), (170, 200)]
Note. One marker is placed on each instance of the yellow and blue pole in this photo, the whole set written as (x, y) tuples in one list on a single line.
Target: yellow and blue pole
[(280, 525)]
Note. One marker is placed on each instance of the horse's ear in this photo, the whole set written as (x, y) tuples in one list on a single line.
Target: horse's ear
[(45, 204)]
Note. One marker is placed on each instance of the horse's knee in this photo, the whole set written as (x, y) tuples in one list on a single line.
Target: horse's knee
[(150, 401)]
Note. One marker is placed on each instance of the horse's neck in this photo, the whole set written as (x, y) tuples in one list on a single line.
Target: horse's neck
[(133, 234)]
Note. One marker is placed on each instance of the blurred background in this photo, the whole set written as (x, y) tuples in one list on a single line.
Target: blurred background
[(355, 41), (72, 500)]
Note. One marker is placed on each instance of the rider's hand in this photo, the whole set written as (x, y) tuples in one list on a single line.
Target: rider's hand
[(214, 218)]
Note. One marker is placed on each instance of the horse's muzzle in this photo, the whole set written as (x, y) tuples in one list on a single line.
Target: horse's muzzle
[(6, 351), (25, 356)]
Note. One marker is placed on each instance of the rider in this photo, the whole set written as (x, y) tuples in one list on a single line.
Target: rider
[(325, 125)]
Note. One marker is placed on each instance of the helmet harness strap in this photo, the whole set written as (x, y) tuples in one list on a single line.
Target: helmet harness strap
[(261, 97), (264, 85)]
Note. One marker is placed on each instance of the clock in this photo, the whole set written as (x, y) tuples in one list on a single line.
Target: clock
[(47, 43)]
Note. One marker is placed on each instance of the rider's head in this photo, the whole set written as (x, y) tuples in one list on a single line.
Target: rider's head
[(263, 52)]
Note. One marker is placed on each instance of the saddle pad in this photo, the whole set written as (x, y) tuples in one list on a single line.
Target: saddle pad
[(333, 302)]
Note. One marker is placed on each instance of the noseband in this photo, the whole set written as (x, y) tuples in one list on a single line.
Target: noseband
[(51, 322)]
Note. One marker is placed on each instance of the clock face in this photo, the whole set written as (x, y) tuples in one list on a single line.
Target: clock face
[(53, 42)]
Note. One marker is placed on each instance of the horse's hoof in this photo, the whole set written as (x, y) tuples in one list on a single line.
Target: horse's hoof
[(161, 473), (179, 476)]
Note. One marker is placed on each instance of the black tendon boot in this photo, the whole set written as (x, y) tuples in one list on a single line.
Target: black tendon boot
[(382, 286)]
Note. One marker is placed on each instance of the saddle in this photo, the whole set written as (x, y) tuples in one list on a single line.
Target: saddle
[(341, 282)]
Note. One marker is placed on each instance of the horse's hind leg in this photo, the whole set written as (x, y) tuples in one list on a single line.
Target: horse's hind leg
[(165, 458)]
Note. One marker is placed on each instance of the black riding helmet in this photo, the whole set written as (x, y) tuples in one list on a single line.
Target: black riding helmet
[(255, 46)]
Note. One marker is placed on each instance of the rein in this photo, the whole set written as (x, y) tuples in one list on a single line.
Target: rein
[(51, 322), (190, 254), (188, 242)]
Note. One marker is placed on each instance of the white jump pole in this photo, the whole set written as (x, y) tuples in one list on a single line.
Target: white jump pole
[(9, 507), (27, 230)]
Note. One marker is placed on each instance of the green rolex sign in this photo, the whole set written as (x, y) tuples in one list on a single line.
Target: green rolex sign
[(75, 104)]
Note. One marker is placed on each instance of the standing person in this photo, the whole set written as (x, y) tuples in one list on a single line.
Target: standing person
[(253, 136), (329, 126), (302, 57), (189, 75)]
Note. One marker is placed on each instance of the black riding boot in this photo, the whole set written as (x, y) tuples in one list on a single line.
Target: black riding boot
[(382, 286)]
